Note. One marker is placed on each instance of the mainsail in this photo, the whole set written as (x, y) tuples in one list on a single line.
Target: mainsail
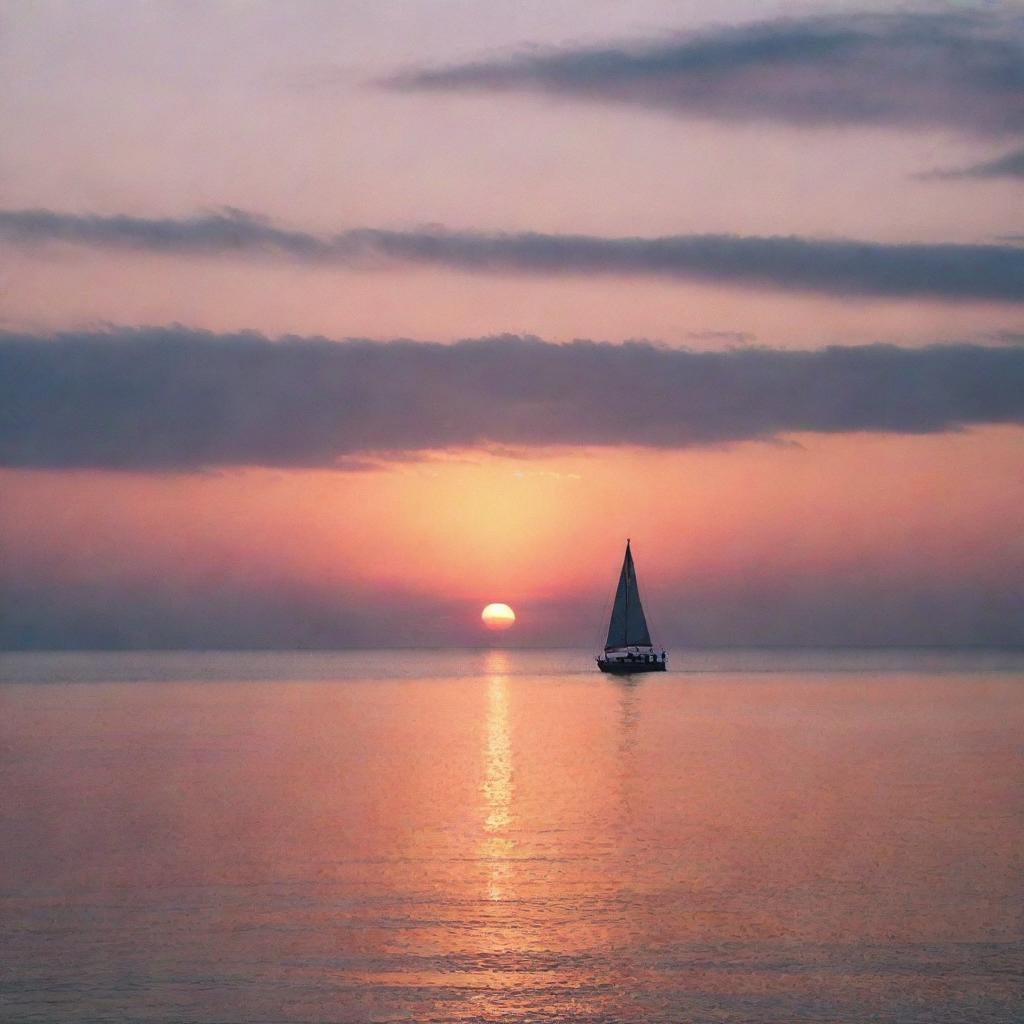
[(628, 627)]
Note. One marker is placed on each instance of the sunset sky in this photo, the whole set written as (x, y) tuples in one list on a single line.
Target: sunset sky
[(329, 324)]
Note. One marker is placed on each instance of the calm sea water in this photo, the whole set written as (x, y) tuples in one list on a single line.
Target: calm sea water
[(499, 836)]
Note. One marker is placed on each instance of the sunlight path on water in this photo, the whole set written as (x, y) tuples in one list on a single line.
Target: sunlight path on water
[(497, 846)]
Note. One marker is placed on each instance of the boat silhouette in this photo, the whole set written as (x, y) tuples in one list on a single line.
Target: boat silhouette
[(628, 648)]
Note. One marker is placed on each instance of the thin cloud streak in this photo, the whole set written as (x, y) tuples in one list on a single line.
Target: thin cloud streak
[(844, 267), (172, 399), (1009, 165), (224, 232), (961, 70)]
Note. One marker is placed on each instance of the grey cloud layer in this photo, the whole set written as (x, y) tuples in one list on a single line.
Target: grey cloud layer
[(944, 271), (162, 399), (961, 70)]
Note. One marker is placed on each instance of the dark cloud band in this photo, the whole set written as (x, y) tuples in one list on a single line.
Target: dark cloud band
[(954, 69), (845, 267), (163, 399)]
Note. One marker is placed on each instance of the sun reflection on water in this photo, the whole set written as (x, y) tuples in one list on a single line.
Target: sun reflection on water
[(497, 846), (629, 717)]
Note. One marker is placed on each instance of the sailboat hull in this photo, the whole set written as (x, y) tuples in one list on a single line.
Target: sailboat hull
[(629, 668)]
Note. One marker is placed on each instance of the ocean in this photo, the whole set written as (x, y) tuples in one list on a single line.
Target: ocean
[(506, 836)]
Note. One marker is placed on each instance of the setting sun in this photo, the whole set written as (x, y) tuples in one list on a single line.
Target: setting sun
[(498, 616)]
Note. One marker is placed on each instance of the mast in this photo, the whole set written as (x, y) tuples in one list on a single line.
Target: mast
[(627, 565)]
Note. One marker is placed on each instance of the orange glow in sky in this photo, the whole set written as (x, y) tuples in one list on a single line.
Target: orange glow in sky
[(889, 514)]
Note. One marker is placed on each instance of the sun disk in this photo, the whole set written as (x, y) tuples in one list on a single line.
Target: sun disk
[(498, 616)]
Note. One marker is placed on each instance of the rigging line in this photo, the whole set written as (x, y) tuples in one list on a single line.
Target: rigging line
[(602, 633), (651, 633), (639, 596), (627, 565), (606, 614)]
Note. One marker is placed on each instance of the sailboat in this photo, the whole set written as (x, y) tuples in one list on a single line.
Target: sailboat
[(628, 648)]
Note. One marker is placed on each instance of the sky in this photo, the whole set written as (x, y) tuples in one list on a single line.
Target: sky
[(325, 325)]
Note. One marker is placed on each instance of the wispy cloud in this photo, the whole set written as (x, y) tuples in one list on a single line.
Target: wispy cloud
[(175, 399), (846, 267), (731, 337), (219, 233), (951, 69), (1009, 165)]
